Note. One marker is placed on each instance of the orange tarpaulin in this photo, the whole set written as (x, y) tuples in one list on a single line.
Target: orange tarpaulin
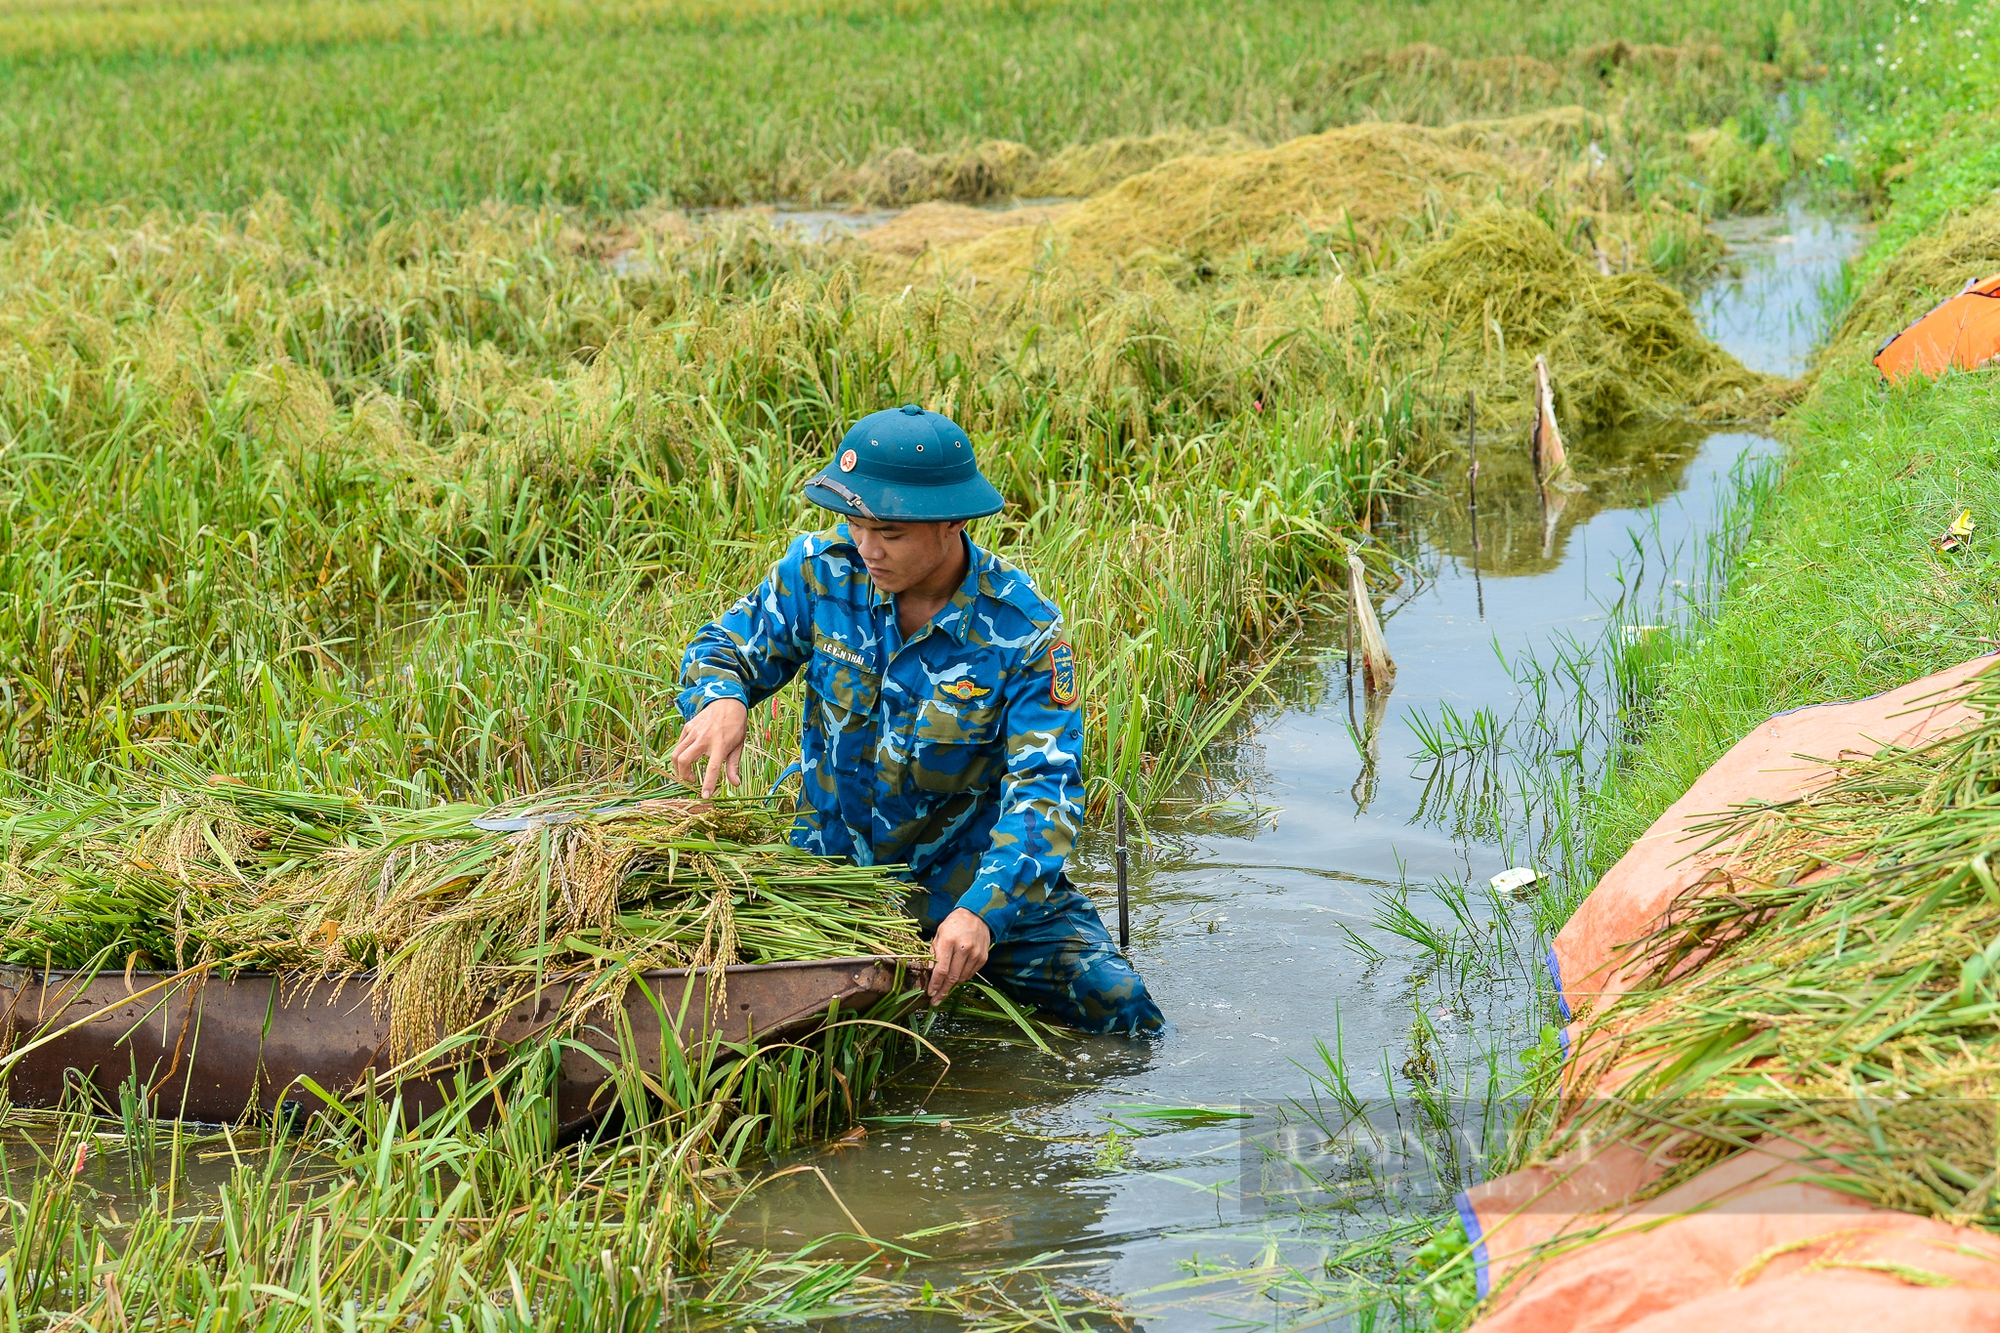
[(1962, 332), (1749, 1243)]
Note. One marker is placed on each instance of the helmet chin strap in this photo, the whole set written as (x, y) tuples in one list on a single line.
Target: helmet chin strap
[(844, 493)]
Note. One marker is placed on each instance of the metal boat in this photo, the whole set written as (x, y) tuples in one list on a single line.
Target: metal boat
[(213, 1048)]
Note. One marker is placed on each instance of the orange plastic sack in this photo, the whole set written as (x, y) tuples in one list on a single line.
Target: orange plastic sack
[(1964, 332), (1585, 961), (1746, 1244)]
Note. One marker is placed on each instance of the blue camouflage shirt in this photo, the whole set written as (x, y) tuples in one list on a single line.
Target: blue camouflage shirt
[(957, 753)]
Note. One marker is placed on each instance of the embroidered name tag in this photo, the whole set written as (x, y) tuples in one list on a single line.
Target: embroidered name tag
[(839, 652)]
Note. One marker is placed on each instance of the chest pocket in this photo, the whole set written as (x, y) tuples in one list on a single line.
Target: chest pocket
[(846, 693), (957, 743)]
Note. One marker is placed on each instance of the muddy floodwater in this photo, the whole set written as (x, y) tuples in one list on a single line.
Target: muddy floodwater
[(1265, 934)]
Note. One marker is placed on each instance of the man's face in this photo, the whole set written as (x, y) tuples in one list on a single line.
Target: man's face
[(899, 556)]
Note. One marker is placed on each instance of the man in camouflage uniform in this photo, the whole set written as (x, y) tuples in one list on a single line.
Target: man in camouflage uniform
[(941, 730)]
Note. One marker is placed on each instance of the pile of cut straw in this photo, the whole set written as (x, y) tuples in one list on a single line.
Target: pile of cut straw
[(453, 907), (1842, 993)]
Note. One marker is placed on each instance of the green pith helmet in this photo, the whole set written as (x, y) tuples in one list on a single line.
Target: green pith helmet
[(905, 465)]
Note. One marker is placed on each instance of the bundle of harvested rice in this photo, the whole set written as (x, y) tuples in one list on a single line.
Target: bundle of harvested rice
[(1361, 189), (453, 908), (1503, 289), (1841, 991), (1367, 182)]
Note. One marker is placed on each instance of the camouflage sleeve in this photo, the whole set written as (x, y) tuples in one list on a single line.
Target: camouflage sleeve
[(754, 647), (1041, 798)]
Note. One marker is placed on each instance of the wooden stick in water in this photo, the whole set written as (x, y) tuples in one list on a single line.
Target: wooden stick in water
[(1545, 441), (1378, 671), (1124, 904), (1472, 492), (1350, 661), (1472, 466)]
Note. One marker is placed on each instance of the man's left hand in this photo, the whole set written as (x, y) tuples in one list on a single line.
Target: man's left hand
[(958, 950)]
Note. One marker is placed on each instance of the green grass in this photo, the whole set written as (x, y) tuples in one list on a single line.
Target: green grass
[(1928, 118), (409, 104), (1840, 594)]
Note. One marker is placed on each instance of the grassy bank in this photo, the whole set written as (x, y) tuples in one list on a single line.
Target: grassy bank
[(1792, 1027), (1840, 594)]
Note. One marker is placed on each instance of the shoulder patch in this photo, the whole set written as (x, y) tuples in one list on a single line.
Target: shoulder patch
[(1062, 674)]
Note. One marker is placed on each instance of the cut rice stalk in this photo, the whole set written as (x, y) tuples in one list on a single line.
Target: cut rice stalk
[(451, 908), (1837, 988)]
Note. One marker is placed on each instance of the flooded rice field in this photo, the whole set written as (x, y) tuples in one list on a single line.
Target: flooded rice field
[(1332, 939)]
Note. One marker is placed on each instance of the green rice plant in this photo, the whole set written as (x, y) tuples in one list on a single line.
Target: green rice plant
[(609, 105), (481, 590)]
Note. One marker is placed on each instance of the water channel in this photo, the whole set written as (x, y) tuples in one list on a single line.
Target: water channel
[(1129, 1167)]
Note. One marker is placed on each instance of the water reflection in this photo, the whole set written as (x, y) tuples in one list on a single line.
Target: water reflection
[(1624, 469)]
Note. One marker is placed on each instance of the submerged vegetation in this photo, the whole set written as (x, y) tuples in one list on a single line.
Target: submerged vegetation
[(356, 1218)]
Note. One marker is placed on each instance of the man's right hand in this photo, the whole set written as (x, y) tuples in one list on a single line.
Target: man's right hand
[(715, 734)]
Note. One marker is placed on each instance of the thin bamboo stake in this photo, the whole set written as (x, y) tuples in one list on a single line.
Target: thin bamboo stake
[(1377, 668), (1349, 677), (1472, 492), (1545, 441), (1124, 903)]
